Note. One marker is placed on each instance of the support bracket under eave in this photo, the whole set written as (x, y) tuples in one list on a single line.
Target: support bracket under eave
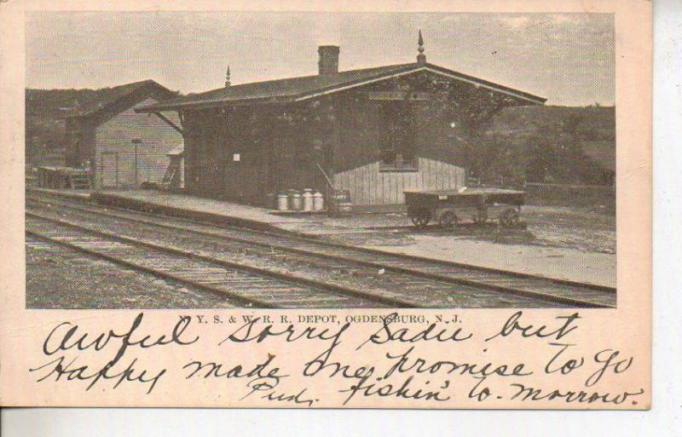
[(169, 122)]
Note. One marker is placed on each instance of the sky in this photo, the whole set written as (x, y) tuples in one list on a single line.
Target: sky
[(567, 58)]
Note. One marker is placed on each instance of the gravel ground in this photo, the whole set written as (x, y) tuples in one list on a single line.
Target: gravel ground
[(58, 277), (559, 242), (575, 228)]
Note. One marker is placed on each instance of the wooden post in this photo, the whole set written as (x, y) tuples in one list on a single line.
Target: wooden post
[(136, 143), (269, 146), (335, 142)]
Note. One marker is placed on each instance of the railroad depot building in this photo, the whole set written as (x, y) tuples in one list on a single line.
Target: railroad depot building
[(374, 132), (120, 147)]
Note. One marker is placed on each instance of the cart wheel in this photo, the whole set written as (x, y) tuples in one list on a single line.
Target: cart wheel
[(509, 218), (447, 219), (421, 218)]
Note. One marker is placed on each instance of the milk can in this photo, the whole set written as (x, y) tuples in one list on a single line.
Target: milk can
[(282, 202), (318, 201), (295, 203), (307, 199)]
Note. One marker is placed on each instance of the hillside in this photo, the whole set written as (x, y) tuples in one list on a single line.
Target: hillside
[(46, 111), (559, 144), (594, 122), (45, 114)]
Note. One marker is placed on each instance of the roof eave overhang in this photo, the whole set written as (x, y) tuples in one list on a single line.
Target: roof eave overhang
[(218, 103), (486, 84), (530, 98), (479, 83)]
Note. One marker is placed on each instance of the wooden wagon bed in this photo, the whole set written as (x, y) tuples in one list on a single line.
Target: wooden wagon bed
[(449, 207)]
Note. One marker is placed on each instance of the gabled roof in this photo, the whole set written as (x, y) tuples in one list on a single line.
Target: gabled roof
[(305, 87), (107, 98)]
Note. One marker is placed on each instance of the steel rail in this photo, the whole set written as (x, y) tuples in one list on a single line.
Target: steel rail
[(318, 241), (410, 271), (287, 278)]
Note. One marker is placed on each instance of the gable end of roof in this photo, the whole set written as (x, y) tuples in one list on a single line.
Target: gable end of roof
[(115, 96), (307, 87)]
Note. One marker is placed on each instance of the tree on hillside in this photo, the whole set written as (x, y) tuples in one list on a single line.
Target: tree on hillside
[(545, 151)]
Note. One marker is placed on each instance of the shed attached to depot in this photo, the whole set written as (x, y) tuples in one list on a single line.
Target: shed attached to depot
[(119, 147)]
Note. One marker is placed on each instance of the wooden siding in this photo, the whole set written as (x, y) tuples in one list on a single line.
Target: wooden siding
[(281, 146), (113, 143), (370, 186)]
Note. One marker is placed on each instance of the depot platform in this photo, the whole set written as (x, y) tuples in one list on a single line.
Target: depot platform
[(83, 195), (186, 206)]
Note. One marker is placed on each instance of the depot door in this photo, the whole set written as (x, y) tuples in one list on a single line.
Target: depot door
[(246, 176), (245, 160), (210, 168)]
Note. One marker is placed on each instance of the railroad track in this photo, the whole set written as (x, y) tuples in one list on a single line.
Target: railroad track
[(397, 290), (478, 286), (243, 285), (58, 276)]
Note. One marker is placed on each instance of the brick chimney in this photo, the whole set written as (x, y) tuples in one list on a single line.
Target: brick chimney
[(329, 59)]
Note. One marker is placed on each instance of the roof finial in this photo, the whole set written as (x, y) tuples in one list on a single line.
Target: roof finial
[(227, 77), (421, 57)]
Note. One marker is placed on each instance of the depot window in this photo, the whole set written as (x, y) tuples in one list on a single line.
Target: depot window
[(397, 136)]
